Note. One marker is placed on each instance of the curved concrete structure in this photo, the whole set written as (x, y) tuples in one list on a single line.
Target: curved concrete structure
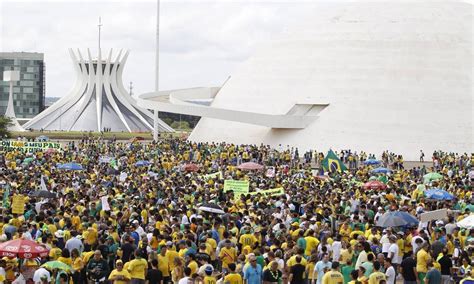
[(397, 76), (97, 100)]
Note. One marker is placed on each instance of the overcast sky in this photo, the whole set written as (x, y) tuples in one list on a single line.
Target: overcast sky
[(201, 42)]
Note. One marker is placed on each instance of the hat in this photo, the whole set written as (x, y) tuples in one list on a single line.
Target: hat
[(439, 223), (135, 222), (169, 243), (59, 234)]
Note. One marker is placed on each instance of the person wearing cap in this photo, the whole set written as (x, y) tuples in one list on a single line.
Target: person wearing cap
[(333, 276), (119, 275)]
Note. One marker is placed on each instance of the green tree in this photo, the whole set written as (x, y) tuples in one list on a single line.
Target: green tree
[(183, 125), (5, 122)]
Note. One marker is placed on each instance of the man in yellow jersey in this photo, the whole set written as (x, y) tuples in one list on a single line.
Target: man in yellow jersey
[(137, 268), (163, 264), (232, 277), (227, 255), (333, 276), (376, 276)]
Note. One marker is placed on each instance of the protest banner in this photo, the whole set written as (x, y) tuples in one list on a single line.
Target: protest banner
[(214, 175), (270, 192), (237, 186), (18, 204), (105, 203), (28, 147), (434, 215)]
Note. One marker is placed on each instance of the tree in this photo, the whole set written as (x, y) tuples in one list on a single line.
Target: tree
[(5, 122)]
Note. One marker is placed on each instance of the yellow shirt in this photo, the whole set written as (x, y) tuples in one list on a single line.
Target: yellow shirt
[(65, 260), (227, 256), (163, 265), (77, 264), (171, 255), (311, 244), (376, 277), (310, 268), (209, 280), (55, 253), (124, 273), (422, 257), (247, 240), (233, 278), (346, 255), (292, 261), (333, 277), (193, 266), (137, 268)]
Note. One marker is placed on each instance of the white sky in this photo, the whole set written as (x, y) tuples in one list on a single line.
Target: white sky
[(201, 42)]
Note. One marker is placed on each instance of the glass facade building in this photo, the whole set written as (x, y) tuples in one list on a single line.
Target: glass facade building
[(29, 92)]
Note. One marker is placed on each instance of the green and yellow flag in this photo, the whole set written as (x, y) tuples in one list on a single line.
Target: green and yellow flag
[(331, 163)]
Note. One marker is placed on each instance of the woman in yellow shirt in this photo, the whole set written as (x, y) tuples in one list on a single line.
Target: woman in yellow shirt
[(77, 266), (119, 275)]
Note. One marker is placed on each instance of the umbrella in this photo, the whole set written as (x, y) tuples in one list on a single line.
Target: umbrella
[(371, 162), (397, 219), (373, 178), (23, 249), (380, 170), (438, 194), (211, 208), (142, 163), (42, 138), (43, 193), (56, 265), (28, 160), (299, 175), (70, 166), (432, 176), (374, 184), (467, 223), (250, 166), (190, 167)]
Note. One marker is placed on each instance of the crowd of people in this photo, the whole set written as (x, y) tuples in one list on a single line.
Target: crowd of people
[(131, 215)]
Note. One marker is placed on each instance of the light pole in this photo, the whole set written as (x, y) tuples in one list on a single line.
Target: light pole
[(157, 69)]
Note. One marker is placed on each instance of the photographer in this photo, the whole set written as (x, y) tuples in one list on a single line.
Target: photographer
[(97, 268)]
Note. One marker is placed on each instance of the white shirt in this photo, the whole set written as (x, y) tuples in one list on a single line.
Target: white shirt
[(414, 245), (390, 274), (393, 253), (385, 243), (19, 280), (336, 250), (184, 280)]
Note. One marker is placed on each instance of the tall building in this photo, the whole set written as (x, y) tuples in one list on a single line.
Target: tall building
[(29, 92)]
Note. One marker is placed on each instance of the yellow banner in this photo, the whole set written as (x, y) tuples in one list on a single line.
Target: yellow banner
[(18, 204), (214, 175), (28, 147), (237, 186), (270, 192)]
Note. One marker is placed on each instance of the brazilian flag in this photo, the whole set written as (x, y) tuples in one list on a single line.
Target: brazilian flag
[(332, 163)]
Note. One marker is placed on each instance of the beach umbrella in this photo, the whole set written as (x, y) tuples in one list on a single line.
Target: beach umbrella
[(70, 167), (380, 170), (397, 219), (57, 265), (211, 208), (23, 249), (371, 162), (142, 163), (432, 176), (374, 184), (250, 166), (438, 194), (467, 223), (190, 167), (43, 193)]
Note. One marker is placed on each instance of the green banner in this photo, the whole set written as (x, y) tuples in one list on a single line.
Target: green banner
[(237, 186), (270, 192), (28, 147)]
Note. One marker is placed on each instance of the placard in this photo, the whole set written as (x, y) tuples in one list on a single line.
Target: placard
[(27, 147), (18, 204), (270, 192), (237, 186), (434, 215)]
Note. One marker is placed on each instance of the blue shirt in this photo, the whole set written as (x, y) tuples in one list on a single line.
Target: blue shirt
[(253, 275)]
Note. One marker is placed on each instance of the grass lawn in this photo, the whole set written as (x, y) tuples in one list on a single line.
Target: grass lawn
[(108, 135)]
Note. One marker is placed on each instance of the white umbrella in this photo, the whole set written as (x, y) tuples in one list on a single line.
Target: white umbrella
[(211, 208), (467, 222)]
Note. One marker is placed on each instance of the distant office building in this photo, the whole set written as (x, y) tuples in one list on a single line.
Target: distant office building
[(28, 93)]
